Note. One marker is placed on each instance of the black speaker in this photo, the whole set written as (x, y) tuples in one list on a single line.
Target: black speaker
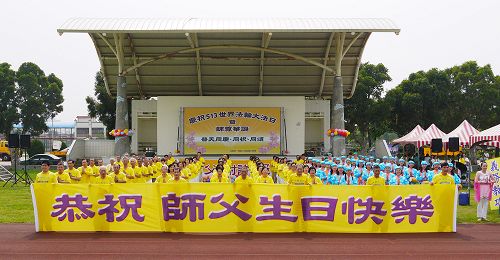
[(437, 145), (14, 141), (453, 144), (25, 142)]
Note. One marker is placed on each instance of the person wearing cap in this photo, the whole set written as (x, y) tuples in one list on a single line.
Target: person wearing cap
[(436, 169), (355, 156), (443, 177), (401, 163), (360, 172), (322, 172), (338, 176), (349, 177), (45, 176), (376, 179), (368, 170), (387, 174), (411, 174), (398, 178), (343, 159), (424, 176), (313, 179)]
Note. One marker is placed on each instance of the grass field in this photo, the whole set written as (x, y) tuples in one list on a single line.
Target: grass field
[(16, 206)]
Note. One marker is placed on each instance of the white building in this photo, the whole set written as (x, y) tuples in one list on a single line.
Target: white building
[(88, 127)]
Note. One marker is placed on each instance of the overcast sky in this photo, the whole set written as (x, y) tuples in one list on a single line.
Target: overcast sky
[(433, 33)]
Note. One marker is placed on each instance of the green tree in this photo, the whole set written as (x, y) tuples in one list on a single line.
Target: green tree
[(8, 104), (364, 111), (39, 97), (103, 106), (36, 147)]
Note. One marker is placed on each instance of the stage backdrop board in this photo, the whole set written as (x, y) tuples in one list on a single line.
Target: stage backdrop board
[(226, 207), (494, 167), (231, 130)]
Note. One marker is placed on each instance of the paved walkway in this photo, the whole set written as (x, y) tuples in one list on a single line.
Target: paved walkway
[(20, 241)]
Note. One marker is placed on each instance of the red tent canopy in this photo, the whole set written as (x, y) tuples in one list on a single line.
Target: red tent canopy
[(418, 130), (463, 132), (491, 134), (433, 132)]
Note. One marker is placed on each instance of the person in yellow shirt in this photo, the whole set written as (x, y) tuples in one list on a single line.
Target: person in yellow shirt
[(313, 179), (200, 158), (110, 167), (74, 174), (62, 176), (103, 177), (227, 160), (95, 169), (45, 176), (165, 176), (375, 180), (177, 177), (292, 170), (146, 174), (117, 175), (299, 178), (265, 178), (219, 176), (86, 172), (444, 177), (244, 178), (137, 170), (129, 172)]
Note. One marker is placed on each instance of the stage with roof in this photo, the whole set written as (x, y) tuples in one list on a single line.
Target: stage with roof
[(304, 67)]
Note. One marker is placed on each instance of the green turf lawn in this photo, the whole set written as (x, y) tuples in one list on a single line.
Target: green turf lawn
[(16, 206)]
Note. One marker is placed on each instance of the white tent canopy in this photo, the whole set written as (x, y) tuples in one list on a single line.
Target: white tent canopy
[(418, 130), (433, 132), (490, 136), (463, 132)]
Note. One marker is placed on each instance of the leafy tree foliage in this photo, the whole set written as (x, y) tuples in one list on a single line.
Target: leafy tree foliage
[(39, 97), (32, 101), (103, 106), (365, 111), (36, 147), (8, 105)]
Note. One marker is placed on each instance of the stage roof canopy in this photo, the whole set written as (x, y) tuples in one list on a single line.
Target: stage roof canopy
[(194, 56)]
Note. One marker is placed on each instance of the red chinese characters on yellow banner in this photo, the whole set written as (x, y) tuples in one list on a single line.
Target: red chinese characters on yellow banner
[(199, 207)]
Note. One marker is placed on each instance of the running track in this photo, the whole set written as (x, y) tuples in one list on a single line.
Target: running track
[(471, 241)]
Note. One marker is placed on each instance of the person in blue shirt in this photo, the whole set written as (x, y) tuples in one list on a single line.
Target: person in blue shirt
[(321, 171), (349, 177), (424, 176), (455, 176), (398, 178), (337, 178), (410, 173), (368, 171), (387, 174)]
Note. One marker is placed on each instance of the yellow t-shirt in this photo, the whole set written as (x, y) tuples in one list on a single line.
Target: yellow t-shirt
[(137, 174), (316, 180), (185, 172), (48, 177), (95, 172), (86, 175), (239, 179), (180, 180), (63, 177), (262, 179), (74, 173), (298, 180), (120, 177), (106, 180), (215, 179), (130, 173), (375, 181), (170, 161), (440, 179), (161, 179)]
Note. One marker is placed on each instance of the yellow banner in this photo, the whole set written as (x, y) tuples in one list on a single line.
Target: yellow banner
[(210, 207), (232, 130), (494, 167)]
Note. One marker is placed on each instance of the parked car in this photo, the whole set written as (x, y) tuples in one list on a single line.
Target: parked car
[(37, 159)]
